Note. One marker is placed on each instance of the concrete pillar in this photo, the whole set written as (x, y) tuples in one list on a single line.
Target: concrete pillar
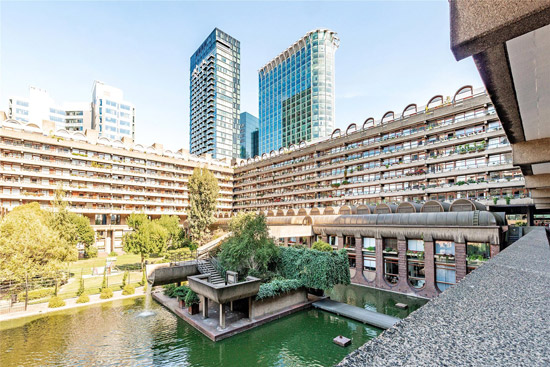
[(231, 306), (250, 308), (430, 290), (380, 283), (358, 259), (460, 261), (325, 238), (286, 241), (204, 307), (340, 242), (495, 249), (403, 282), (222, 316), (530, 215)]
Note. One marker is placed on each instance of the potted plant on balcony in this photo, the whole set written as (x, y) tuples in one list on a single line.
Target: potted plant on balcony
[(192, 302)]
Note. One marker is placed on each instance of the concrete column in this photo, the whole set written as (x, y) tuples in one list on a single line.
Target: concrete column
[(430, 289), (358, 260), (325, 238), (495, 249), (231, 306), (380, 264), (460, 261), (222, 316), (250, 308), (286, 241), (403, 282), (340, 242), (204, 307)]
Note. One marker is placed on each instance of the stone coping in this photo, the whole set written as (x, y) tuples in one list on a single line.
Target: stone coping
[(496, 316)]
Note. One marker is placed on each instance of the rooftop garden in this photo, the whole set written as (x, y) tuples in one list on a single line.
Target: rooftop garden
[(250, 251)]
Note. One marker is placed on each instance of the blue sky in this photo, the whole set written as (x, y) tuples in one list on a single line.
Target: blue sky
[(391, 53)]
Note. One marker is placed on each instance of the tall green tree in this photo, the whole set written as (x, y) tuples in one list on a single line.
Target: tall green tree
[(84, 232), (147, 236), (30, 246), (250, 249), (203, 195), (175, 233)]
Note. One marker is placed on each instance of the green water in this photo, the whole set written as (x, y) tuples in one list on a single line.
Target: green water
[(376, 300), (119, 334)]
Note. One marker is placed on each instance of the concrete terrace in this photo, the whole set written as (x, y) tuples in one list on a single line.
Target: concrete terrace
[(497, 316)]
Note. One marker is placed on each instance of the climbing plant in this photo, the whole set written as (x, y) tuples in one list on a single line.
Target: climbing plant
[(314, 269)]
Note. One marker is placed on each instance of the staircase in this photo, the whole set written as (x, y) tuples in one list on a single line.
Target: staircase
[(206, 267)]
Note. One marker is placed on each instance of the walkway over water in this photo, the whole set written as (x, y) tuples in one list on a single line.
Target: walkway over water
[(357, 313)]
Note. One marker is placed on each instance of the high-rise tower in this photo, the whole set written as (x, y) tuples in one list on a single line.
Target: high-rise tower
[(215, 96), (296, 100)]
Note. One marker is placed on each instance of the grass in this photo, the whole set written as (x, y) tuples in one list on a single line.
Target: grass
[(92, 285), (86, 265)]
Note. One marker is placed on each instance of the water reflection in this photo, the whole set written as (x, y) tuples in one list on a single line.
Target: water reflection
[(117, 334), (375, 299)]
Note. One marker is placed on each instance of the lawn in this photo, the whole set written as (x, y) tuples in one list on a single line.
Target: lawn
[(85, 266)]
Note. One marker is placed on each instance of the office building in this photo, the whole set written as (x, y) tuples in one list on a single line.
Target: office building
[(296, 100), (37, 107), (215, 97), (112, 116), (248, 135)]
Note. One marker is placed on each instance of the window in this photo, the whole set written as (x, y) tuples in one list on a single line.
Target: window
[(415, 263), (445, 267), (100, 219), (476, 254), (391, 262), (369, 258)]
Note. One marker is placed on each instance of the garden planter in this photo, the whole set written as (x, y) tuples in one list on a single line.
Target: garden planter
[(193, 309), (182, 303)]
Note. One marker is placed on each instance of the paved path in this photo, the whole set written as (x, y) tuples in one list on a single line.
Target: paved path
[(357, 313), (42, 308)]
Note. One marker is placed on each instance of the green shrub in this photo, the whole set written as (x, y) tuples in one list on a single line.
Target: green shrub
[(55, 302), (128, 289), (314, 269), (81, 289), (104, 282), (90, 252), (170, 290), (191, 298), (106, 293), (181, 292), (36, 294), (83, 298), (277, 287), (124, 279), (321, 246), (113, 254)]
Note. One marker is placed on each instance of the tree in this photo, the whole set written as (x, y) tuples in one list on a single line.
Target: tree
[(203, 196), (147, 237), (30, 246), (250, 249), (321, 246), (84, 233), (175, 233)]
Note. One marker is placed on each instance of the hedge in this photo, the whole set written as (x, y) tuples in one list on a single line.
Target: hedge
[(277, 287), (314, 269), (106, 293), (128, 289), (83, 298), (36, 294), (55, 302)]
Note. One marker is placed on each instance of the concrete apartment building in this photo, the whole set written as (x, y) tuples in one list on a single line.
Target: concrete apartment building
[(112, 116), (450, 149), (106, 180)]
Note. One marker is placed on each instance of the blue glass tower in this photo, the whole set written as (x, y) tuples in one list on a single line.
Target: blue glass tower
[(215, 96), (296, 101), (248, 135)]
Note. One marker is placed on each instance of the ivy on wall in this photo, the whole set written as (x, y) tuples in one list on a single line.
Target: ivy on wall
[(314, 269)]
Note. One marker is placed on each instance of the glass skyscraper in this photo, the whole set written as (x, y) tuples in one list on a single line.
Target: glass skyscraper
[(297, 92), (215, 96), (248, 135)]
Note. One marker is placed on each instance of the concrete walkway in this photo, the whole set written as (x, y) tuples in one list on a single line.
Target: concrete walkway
[(357, 313), (42, 308)]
